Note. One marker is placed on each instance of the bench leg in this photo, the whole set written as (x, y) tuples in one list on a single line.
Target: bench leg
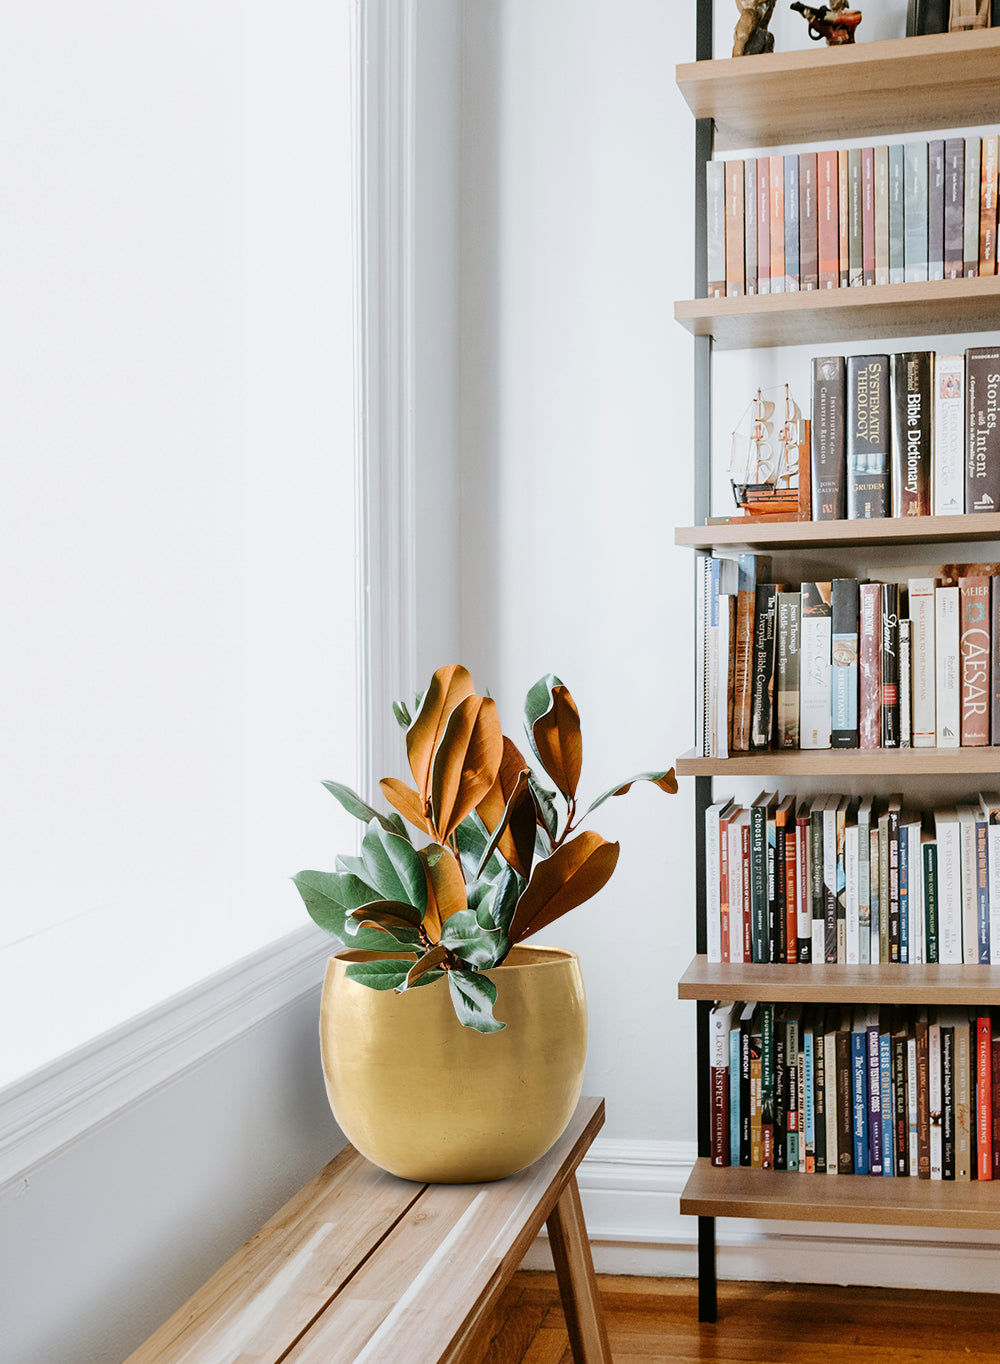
[(588, 1336)]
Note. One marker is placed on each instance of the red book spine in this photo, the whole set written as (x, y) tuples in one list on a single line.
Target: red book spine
[(868, 214), (995, 1090), (735, 233), (724, 905), (828, 229), (984, 1098), (974, 652), (777, 224), (745, 852), (869, 666)]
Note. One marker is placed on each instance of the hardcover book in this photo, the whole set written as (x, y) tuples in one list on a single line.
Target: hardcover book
[(815, 663), (749, 568), (764, 642), (912, 378), (844, 662), (982, 407), (949, 436), (974, 654), (828, 438), (788, 669), (869, 665), (867, 436)]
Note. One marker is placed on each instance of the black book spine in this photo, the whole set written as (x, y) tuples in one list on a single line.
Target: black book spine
[(780, 1097), (867, 436), (982, 460), (901, 1118), (780, 927), (889, 661), (819, 1096), (827, 439), (844, 604), (764, 636), (911, 432), (947, 1102)]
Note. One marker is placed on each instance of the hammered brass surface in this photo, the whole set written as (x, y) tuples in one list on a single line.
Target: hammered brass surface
[(429, 1100)]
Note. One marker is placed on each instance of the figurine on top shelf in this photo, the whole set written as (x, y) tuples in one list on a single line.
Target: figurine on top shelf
[(834, 22), (752, 34)]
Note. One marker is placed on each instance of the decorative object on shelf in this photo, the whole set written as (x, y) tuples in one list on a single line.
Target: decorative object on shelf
[(966, 14), (836, 23), (764, 466), (927, 16), (752, 34), (497, 864)]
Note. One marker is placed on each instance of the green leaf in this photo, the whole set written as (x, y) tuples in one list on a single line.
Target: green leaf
[(403, 717), (473, 996), (398, 925), (468, 939), (378, 938), (537, 703), (331, 897), (360, 809), (666, 781), (547, 805), (393, 867), (378, 975), (472, 839)]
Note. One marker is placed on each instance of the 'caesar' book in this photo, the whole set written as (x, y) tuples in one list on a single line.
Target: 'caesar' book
[(867, 436), (911, 380), (974, 652)]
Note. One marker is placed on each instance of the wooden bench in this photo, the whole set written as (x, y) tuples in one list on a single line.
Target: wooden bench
[(363, 1268)]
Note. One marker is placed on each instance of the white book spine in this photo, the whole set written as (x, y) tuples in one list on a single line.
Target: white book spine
[(720, 748), (948, 690), (915, 894), (970, 901), (818, 942), (905, 684), (948, 407), (815, 715), (993, 868), (851, 871), (949, 858), (921, 599), (875, 936), (864, 883), (701, 661), (973, 193)]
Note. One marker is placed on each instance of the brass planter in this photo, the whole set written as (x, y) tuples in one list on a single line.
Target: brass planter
[(429, 1100)]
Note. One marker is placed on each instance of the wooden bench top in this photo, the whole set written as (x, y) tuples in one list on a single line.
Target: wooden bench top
[(363, 1268)]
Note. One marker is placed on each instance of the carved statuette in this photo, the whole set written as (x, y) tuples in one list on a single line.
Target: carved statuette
[(835, 22), (751, 35)]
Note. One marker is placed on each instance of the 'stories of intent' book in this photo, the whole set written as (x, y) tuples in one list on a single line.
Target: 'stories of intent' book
[(982, 406), (867, 424)]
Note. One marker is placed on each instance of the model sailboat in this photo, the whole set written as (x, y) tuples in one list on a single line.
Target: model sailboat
[(764, 463)]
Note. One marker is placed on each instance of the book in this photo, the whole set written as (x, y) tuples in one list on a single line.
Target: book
[(859, 1090), (827, 225), (921, 1040), (764, 225), (734, 1083), (737, 828), (982, 405), (843, 218), (935, 208), (728, 853), (843, 670), (803, 889), (792, 212), (869, 665), (974, 660), (928, 848), (720, 1021), (920, 594), (852, 913), (905, 684), (746, 1081), (715, 204), (927, 16), (855, 230), (886, 1095), (954, 206), (713, 878), (911, 385), (764, 643), (934, 1097), (735, 231), (784, 826), (948, 496), (815, 714), (795, 1152), (817, 890), (828, 448), (830, 938), (947, 687), (989, 804), (968, 900), (788, 670), (947, 1033), (984, 1097), (842, 1071), (949, 885), (915, 210), (777, 228), (867, 436), (749, 568), (973, 190), (874, 1076), (882, 214), (864, 824), (897, 260), (808, 222), (767, 1085), (750, 223), (889, 665), (988, 205), (725, 658), (760, 811)]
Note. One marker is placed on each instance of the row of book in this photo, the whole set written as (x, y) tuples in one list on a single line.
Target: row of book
[(909, 434), (834, 879), (846, 663), (902, 1092), (838, 218)]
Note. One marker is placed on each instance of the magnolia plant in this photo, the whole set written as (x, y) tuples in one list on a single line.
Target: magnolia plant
[(499, 856)]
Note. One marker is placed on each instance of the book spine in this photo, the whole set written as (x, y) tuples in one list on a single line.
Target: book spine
[(788, 669), (763, 224), (931, 953), (855, 258), (852, 915), (864, 883), (778, 886), (808, 222), (868, 214), (780, 1093), (869, 666), (792, 212), (719, 1087), (892, 848), (867, 427), (935, 208), (758, 883), (923, 1100), (974, 653), (844, 662), (817, 892), (845, 1142), (882, 214), (910, 475), (988, 206), (888, 1107), (982, 406), (995, 1092), (905, 684), (819, 1096), (750, 222), (875, 893), (954, 206), (743, 667), (947, 1102), (889, 665), (915, 210), (995, 659), (897, 258), (828, 438), (777, 223), (949, 419), (949, 888), (765, 623), (827, 226), (934, 1097), (815, 663), (921, 607), (791, 892), (735, 232), (715, 177), (970, 221), (982, 889), (947, 686), (874, 1071), (843, 218), (734, 1089), (803, 889), (767, 1086), (830, 881), (859, 1100), (984, 1098)]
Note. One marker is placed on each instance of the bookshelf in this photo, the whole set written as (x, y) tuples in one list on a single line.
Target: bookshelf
[(822, 95)]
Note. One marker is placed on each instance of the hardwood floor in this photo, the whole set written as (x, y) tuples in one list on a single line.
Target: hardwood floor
[(651, 1321)]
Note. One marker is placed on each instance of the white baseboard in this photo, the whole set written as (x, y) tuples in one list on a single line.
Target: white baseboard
[(631, 1195), (60, 1103)]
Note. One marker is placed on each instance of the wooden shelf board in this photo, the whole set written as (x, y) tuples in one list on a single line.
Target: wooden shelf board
[(896, 530), (734, 1191), (818, 317), (972, 986), (846, 762), (825, 94)]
